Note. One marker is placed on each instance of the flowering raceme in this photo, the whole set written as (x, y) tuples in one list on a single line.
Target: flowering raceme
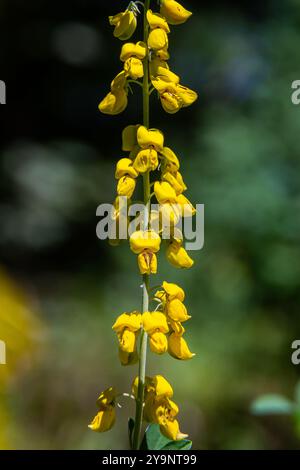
[(161, 320)]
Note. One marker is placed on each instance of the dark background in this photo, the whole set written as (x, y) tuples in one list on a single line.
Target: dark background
[(61, 288)]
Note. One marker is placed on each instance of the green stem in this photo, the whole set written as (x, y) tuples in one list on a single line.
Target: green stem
[(145, 299)]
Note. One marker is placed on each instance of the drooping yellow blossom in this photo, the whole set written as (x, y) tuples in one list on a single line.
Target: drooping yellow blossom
[(127, 327), (159, 29), (156, 385), (116, 100), (178, 347), (187, 208), (172, 163), (150, 138), (105, 418), (145, 244), (125, 167), (174, 96), (155, 324), (164, 192), (129, 138), (125, 24), (177, 311), (132, 56), (174, 12), (178, 256), (176, 181), (173, 291), (126, 186)]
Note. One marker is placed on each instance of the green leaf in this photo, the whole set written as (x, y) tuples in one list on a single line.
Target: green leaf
[(130, 430), (179, 445), (154, 438), (272, 405)]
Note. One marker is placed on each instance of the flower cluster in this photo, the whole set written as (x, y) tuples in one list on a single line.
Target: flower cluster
[(163, 314)]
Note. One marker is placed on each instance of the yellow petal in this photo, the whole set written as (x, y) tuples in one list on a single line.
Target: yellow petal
[(172, 161), (177, 327), (160, 386), (171, 430), (114, 103), (130, 49), (132, 321), (118, 82), (178, 348), (173, 291), (127, 341), (134, 68), (178, 256), (154, 321), (158, 39), (174, 12), (147, 262), (156, 20), (175, 181), (163, 54), (126, 186), (145, 240), (158, 343), (129, 139), (170, 215), (163, 73), (150, 138), (125, 24), (104, 420), (187, 208), (124, 167), (107, 397), (128, 359), (170, 101), (164, 192), (176, 310), (146, 160), (186, 95)]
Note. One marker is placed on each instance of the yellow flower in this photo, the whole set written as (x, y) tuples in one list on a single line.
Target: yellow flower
[(176, 310), (173, 291), (138, 50), (156, 386), (126, 186), (177, 327), (145, 240), (147, 262), (169, 216), (187, 96), (114, 102), (127, 326), (125, 24), (163, 411), (158, 39), (119, 82), (134, 68), (156, 20), (187, 208), (178, 256), (150, 138), (178, 347), (129, 138), (161, 72), (146, 160), (155, 324), (162, 54), (175, 180), (164, 192), (174, 96), (125, 168), (174, 12), (106, 417), (171, 160), (128, 359)]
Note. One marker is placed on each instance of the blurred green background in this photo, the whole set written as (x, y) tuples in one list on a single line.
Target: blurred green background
[(61, 288)]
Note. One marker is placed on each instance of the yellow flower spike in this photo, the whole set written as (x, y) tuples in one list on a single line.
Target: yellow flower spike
[(176, 310), (164, 192), (146, 160), (150, 138), (178, 348), (125, 24), (178, 256), (147, 262), (186, 95), (158, 39), (126, 186), (138, 50), (145, 240), (104, 420), (173, 291), (124, 167), (134, 68), (171, 160), (187, 208), (114, 103), (129, 138), (156, 20), (132, 321), (174, 12)]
